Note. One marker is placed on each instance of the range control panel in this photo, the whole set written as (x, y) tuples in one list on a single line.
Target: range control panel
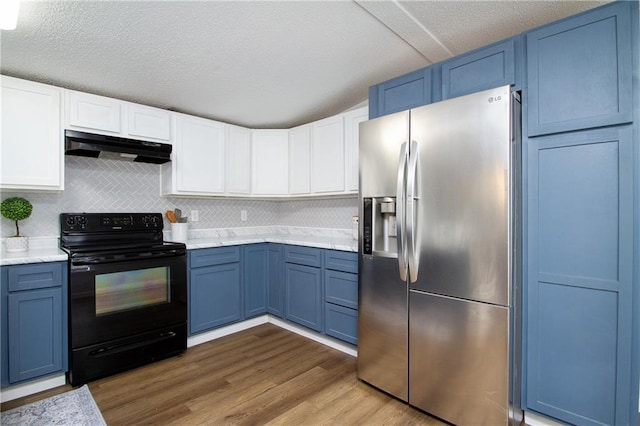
[(97, 222)]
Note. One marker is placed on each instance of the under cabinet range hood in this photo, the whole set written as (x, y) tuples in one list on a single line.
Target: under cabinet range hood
[(115, 148)]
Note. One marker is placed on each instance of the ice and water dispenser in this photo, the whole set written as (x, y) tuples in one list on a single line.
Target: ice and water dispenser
[(379, 227)]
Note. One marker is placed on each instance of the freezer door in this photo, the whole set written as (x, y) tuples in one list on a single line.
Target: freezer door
[(381, 141), (382, 326), (459, 366), (460, 197)]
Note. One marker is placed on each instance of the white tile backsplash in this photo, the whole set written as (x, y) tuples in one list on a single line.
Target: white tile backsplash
[(96, 185)]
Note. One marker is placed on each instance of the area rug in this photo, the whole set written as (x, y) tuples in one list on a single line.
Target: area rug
[(76, 407)]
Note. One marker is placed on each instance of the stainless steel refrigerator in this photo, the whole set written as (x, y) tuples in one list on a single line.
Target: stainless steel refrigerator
[(438, 315)]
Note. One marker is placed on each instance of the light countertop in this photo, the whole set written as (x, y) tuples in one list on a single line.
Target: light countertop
[(41, 249), (334, 243), (45, 249)]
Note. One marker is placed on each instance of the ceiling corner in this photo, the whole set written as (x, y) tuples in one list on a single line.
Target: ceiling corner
[(406, 26)]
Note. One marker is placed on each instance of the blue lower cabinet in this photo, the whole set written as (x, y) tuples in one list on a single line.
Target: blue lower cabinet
[(341, 288), (34, 321), (341, 323), (255, 266), (35, 333), (303, 297), (275, 280), (214, 296)]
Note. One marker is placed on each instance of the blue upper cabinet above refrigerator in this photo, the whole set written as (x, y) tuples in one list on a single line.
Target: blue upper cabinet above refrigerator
[(492, 66), (401, 93), (579, 71)]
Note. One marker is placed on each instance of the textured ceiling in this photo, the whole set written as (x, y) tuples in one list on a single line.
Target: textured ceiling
[(265, 64)]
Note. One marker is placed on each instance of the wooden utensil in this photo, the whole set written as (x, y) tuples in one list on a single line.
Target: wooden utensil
[(171, 216)]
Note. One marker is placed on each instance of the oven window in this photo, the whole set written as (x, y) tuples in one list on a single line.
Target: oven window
[(121, 291)]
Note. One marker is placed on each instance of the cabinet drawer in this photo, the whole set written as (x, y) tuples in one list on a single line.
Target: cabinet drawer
[(29, 277), (341, 323), (303, 255), (341, 288), (213, 256), (341, 261)]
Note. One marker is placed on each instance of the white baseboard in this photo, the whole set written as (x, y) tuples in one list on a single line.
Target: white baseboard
[(532, 419), (18, 391), (225, 331), (244, 325), (305, 332)]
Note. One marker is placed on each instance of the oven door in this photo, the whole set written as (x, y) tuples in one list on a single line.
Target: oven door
[(117, 299)]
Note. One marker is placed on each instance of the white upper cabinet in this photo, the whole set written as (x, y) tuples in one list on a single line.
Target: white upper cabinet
[(269, 162), (98, 114), (327, 155), (198, 158), (299, 160), (238, 160), (147, 122), (90, 112), (32, 156), (352, 120)]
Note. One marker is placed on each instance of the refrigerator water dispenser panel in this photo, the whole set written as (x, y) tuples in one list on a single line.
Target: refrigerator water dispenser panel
[(379, 227)]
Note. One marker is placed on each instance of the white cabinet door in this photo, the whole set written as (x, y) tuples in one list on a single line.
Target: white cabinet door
[(327, 155), (31, 152), (352, 120), (299, 159), (91, 112), (198, 158), (148, 123), (238, 160), (269, 162)]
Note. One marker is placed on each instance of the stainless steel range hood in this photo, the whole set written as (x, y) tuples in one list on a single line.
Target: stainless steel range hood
[(115, 148)]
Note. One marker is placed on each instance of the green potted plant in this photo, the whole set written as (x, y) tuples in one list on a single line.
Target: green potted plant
[(16, 209)]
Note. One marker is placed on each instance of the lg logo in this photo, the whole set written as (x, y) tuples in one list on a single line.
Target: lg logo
[(495, 99)]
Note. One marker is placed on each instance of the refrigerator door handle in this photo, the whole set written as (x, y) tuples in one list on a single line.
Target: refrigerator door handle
[(401, 191), (413, 258)]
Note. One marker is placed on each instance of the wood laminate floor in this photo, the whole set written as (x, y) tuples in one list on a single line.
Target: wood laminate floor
[(264, 375)]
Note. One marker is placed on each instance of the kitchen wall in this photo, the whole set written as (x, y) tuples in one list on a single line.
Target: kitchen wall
[(95, 185)]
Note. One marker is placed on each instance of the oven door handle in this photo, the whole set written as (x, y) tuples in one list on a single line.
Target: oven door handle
[(114, 349), (86, 260)]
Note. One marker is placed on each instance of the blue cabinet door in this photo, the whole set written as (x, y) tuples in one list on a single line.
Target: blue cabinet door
[(35, 333), (579, 287), (579, 71), (341, 323), (275, 266), (33, 321), (255, 265), (214, 296), (486, 68), (303, 297), (404, 92)]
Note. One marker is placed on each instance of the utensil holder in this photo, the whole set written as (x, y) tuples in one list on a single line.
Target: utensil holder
[(179, 232)]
